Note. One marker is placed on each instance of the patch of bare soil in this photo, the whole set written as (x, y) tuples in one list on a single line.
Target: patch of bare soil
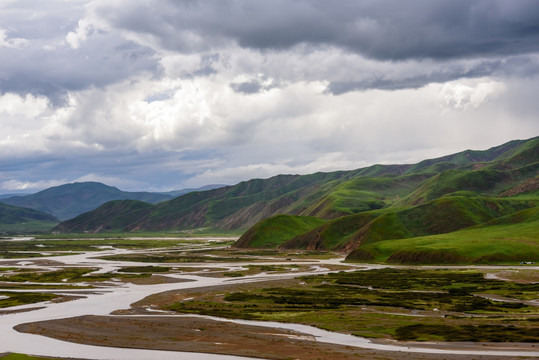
[(172, 296), (33, 261), (523, 276), (154, 280), (529, 185), (7, 312), (194, 334)]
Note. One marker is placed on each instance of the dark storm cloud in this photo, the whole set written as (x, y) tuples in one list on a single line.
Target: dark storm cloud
[(390, 30), (384, 30), (43, 63), (163, 168), (254, 86), (247, 87), (448, 73), (97, 63), (207, 63)]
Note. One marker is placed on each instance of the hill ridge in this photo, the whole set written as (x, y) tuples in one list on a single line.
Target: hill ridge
[(330, 195), (68, 200)]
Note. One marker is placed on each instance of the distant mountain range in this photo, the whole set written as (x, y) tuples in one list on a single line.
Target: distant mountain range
[(67, 201), (328, 196), (472, 206), (176, 193), (5, 196), (15, 219)]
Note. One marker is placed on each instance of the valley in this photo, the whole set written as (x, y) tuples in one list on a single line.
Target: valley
[(276, 180), (106, 298), (434, 260)]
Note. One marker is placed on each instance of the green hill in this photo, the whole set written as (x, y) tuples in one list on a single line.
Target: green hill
[(334, 235), (363, 194), (110, 216), (227, 208), (439, 216), (511, 239), (14, 219), (425, 215), (69, 200), (447, 230), (474, 157), (362, 206), (274, 231)]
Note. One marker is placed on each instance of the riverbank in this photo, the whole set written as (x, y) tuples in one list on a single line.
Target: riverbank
[(84, 327), (199, 334)]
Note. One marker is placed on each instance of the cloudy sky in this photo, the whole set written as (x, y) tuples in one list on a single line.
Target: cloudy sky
[(161, 95)]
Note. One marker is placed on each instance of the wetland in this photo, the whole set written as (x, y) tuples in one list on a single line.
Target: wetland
[(171, 295)]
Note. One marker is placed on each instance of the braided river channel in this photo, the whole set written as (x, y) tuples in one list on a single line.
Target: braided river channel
[(114, 295)]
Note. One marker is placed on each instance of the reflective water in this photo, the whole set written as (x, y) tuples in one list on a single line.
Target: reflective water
[(114, 297)]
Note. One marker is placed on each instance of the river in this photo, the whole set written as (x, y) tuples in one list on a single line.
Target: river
[(116, 296)]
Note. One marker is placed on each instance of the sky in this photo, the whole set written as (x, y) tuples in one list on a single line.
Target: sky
[(164, 95)]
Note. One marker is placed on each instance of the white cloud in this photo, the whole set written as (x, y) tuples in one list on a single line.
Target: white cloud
[(121, 182), (466, 93), (28, 106), (232, 175), (23, 119), (74, 38), (17, 185), (8, 42), (136, 98)]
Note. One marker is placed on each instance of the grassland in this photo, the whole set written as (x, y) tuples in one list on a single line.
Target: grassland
[(401, 304), (14, 219), (496, 244), (276, 230), (28, 227), (65, 275), (222, 255), (201, 232), (34, 248), (8, 299), (387, 304), (25, 357), (457, 228)]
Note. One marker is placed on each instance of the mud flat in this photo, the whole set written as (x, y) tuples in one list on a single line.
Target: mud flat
[(84, 328), (200, 334)]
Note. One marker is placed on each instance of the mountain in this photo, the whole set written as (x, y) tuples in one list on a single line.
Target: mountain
[(110, 216), (176, 193), (473, 178), (274, 231), (15, 219), (481, 207), (228, 208), (5, 196), (69, 200), (443, 215), (510, 239)]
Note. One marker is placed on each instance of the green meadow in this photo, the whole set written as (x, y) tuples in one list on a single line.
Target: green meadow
[(401, 304), (497, 244)]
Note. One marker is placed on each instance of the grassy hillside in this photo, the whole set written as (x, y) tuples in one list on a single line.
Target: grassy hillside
[(110, 216), (438, 216), (399, 201), (228, 208), (486, 181), (15, 219), (364, 194), (334, 235), (498, 242), (274, 231), (69, 200), (469, 157)]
